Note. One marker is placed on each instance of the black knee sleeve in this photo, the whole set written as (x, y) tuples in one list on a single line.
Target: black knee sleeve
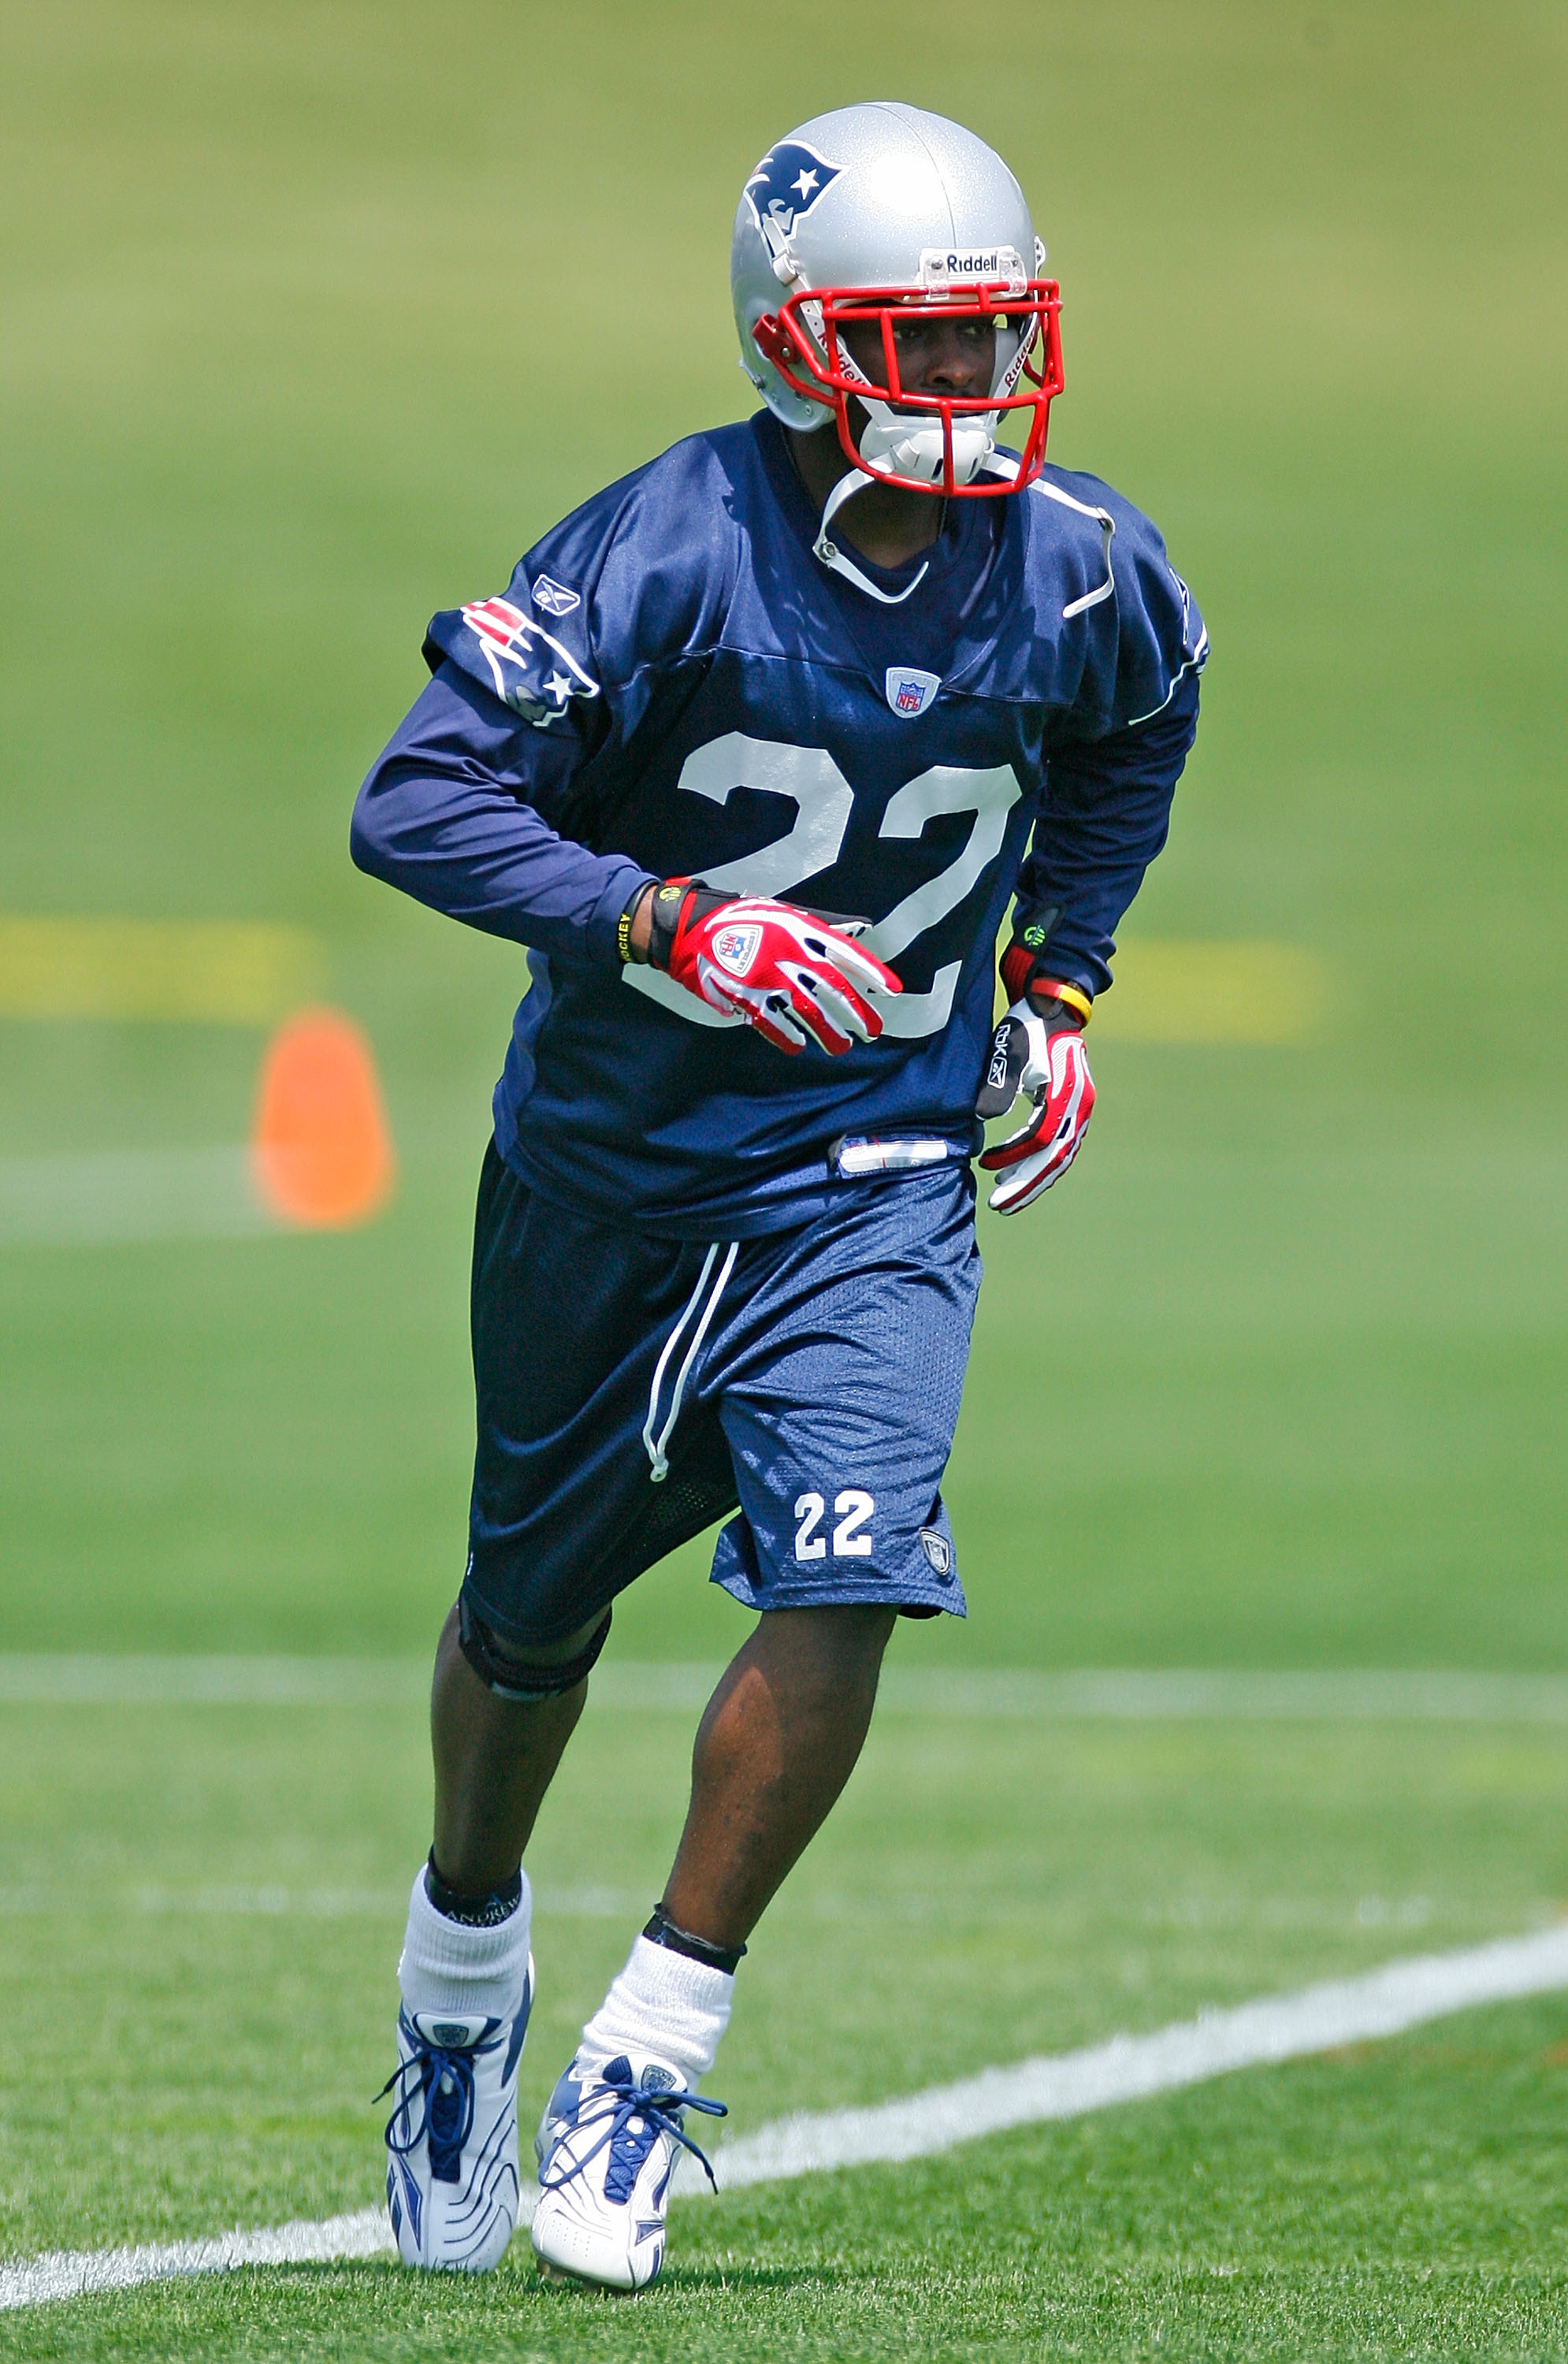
[(512, 1676)]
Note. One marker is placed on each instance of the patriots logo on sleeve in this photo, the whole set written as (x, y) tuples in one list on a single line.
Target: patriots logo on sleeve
[(787, 184), (534, 674)]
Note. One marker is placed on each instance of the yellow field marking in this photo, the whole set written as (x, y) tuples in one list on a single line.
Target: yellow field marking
[(1170, 991), (251, 973), (209, 972)]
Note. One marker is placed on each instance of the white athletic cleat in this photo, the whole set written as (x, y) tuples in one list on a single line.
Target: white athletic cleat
[(607, 2146), (451, 2177)]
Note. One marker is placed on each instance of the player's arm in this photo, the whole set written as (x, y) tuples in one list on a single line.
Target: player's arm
[(449, 816), (1106, 818)]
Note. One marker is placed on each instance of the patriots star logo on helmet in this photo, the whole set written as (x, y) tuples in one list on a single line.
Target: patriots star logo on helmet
[(910, 691), (554, 597), (736, 948), (787, 184)]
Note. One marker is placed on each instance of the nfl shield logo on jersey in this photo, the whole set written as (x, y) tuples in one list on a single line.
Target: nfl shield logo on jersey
[(910, 691), (736, 948)]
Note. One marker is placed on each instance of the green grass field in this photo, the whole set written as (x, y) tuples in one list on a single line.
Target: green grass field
[(315, 318)]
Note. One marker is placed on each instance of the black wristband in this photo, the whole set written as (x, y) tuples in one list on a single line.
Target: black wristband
[(623, 926), (663, 919), (677, 899)]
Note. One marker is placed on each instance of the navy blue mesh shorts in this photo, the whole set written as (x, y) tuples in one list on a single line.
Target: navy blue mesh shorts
[(632, 1390)]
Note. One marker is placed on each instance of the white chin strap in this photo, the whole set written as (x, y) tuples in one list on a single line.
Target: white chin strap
[(906, 447)]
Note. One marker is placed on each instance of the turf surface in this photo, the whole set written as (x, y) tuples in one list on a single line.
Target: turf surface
[(1407, 2203), (308, 334), (201, 1909)]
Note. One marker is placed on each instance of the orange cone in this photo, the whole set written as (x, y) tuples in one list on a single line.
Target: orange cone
[(320, 1151)]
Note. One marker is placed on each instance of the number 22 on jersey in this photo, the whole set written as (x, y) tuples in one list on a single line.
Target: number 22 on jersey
[(823, 800)]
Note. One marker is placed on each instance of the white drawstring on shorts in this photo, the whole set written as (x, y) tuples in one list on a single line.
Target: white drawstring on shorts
[(654, 1445)]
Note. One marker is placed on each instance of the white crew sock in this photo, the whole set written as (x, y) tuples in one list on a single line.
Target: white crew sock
[(665, 2004), (446, 1967)]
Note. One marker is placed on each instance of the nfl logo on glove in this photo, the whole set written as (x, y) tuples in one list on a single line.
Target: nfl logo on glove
[(736, 948)]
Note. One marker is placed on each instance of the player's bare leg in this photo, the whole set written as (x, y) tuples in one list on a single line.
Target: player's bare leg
[(775, 1747), (778, 1742), (494, 1759), (466, 1980)]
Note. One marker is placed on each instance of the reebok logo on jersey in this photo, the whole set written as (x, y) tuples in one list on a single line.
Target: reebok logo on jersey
[(910, 691), (938, 1554), (554, 597), (735, 949)]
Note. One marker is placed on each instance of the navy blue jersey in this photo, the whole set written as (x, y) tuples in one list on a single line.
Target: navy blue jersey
[(673, 684)]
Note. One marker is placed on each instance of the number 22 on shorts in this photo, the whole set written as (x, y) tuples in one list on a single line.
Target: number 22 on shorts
[(852, 1508)]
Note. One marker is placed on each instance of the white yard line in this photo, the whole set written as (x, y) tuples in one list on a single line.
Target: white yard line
[(1277, 2028), (389, 1905), (1401, 1995), (73, 2273), (74, 1199), (47, 1679), (1361, 1695)]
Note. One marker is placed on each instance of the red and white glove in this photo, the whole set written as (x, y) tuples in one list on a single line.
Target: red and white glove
[(791, 973), (1044, 1056)]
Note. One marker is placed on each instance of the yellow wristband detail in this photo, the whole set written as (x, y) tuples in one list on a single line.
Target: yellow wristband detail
[(1069, 994)]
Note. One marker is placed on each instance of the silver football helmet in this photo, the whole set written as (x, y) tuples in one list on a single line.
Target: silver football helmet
[(863, 215)]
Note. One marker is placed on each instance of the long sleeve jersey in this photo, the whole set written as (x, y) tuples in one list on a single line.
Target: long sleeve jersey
[(673, 684)]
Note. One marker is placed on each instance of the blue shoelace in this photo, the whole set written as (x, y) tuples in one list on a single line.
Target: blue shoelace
[(445, 2079), (621, 2101)]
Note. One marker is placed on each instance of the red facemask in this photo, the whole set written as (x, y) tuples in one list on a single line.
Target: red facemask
[(804, 341)]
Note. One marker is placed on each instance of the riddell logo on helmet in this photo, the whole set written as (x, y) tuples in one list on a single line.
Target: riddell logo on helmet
[(736, 948), (991, 264)]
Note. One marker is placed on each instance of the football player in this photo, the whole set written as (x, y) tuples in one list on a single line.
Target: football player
[(752, 754)]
